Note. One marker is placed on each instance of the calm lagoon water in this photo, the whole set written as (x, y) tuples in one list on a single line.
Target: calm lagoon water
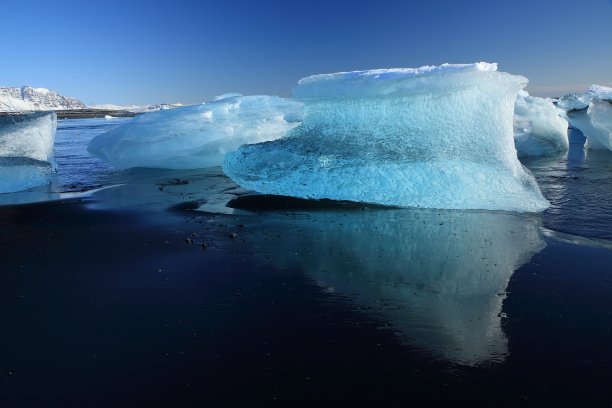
[(292, 301), (579, 185)]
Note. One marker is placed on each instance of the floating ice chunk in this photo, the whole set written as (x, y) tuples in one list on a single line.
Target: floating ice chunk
[(28, 135), (597, 92), (575, 102), (571, 102), (591, 115), (26, 150), (596, 124), (196, 136), (436, 137), (538, 128)]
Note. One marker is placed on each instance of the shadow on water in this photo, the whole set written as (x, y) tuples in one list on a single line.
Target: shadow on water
[(438, 278)]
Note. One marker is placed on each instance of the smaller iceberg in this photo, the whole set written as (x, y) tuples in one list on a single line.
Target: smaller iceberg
[(196, 136), (26, 150), (539, 130), (596, 124), (571, 102), (591, 113), (433, 137)]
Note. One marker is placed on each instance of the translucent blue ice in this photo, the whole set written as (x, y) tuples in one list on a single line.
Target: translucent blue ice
[(596, 124), (435, 137), (26, 150), (539, 130), (196, 136), (592, 115)]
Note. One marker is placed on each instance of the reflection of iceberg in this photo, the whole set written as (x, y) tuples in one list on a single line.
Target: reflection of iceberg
[(538, 128), (437, 276), (26, 150), (436, 137), (196, 136)]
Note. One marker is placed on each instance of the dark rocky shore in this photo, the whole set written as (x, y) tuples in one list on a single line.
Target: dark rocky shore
[(85, 113)]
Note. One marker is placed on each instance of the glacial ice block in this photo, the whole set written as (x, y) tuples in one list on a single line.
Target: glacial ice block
[(196, 136), (538, 128), (576, 102), (592, 115), (571, 102), (597, 92), (596, 124), (26, 150), (435, 137)]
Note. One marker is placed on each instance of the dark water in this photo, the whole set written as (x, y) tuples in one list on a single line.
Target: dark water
[(77, 170), (105, 304), (579, 188)]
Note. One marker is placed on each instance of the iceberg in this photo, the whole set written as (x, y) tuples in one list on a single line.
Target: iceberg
[(571, 101), (576, 102), (591, 113), (596, 124), (196, 136), (539, 130), (26, 150), (434, 137)]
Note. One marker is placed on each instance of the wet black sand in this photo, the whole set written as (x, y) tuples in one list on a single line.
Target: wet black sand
[(115, 308)]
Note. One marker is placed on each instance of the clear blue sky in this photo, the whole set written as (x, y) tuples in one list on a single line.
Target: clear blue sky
[(177, 51)]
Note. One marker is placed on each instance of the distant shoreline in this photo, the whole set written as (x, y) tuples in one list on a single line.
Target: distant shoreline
[(83, 113)]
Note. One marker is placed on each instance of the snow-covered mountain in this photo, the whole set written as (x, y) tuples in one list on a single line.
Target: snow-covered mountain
[(26, 98)]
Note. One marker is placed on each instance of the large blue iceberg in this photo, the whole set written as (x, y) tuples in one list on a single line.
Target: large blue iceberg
[(435, 137), (26, 150), (591, 112), (196, 136)]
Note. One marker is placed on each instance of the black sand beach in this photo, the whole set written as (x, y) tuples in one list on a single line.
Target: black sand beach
[(116, 307)]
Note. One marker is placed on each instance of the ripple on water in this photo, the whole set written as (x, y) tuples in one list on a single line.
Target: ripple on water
[(579, 188)]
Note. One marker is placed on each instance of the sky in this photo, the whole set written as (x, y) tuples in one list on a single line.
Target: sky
[(137, 52)]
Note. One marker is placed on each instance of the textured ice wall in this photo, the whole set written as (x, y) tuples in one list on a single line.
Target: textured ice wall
[(26, 150), (435, 137), (538, 128), (591, 113), (196, 136)]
